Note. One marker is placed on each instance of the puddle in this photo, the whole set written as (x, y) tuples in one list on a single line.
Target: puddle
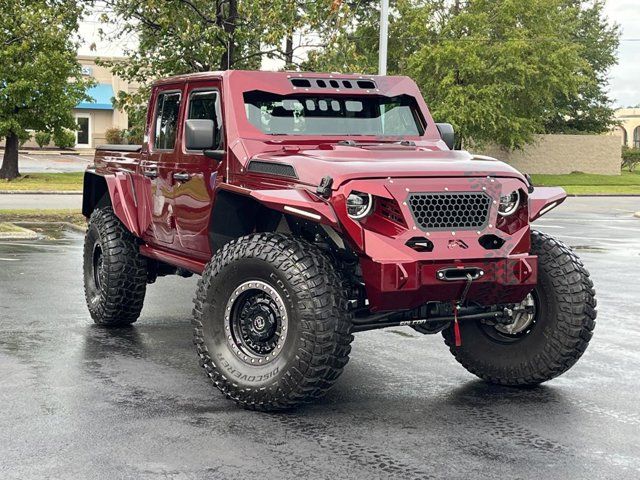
[(589, 249)]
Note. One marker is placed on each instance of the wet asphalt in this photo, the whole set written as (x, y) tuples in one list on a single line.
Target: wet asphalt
[(78, 401)]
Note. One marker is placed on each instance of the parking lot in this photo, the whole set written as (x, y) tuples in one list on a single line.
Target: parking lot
[(78, 401)]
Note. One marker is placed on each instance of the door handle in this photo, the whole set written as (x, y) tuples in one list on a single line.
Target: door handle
[(181, 177), (150, 172)]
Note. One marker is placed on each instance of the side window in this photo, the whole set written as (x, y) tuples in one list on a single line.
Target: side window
[(204, 105), (167, 110)]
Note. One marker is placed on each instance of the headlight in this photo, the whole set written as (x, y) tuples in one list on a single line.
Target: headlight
[(359, 205), (509, 203)]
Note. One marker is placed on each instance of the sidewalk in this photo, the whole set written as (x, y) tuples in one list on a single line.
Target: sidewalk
[(31, 201)]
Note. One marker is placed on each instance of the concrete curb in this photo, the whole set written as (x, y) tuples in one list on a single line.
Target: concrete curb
[(23, 234), (40, 192), (70, 226), (637, 214)]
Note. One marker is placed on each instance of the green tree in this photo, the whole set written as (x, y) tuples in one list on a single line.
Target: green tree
[(499, 70), (40, 78), (186, 36)]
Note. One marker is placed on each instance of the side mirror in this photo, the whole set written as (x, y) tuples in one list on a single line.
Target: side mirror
[(199, 134), (448, 134)]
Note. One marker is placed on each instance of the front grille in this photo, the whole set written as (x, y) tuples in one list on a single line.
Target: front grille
[(444, 211)]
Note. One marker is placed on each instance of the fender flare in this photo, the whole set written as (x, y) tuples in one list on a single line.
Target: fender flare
[(543, 200), (130, 197)]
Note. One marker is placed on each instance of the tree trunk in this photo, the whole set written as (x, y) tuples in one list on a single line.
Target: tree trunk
[(9, 168), (229, 26), (288, 52)]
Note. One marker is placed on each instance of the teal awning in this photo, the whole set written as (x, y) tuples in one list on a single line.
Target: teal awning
[(102, 95)]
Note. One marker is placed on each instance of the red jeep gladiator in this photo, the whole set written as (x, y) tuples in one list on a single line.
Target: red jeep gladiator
[(318, 205)]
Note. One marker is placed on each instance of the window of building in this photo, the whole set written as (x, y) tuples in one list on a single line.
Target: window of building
[(636, 138), (167, 110), (204, 105), (625, 140)]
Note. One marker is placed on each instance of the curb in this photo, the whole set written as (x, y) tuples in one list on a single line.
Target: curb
[(70, 226), (637, 214), (40, 192), (23, 234)]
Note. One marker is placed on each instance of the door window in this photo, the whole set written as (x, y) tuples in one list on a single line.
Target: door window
[(82, 134), (204, 105), (167, 110)]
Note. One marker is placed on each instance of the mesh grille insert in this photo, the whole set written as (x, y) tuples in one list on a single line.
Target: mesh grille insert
[(271, 168), (459, 210)]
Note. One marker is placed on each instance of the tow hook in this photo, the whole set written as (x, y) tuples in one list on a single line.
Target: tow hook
[(456, 307)]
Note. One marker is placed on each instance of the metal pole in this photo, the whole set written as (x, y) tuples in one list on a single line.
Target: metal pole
[(384, 36)]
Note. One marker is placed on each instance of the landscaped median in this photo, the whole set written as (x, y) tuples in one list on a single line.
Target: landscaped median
[(29, 224), (589, 184), (44, 182)]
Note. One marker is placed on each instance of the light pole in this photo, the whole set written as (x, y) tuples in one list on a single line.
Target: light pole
[(384, 36)]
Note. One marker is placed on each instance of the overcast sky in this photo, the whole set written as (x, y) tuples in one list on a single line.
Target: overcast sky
[(625, 77)]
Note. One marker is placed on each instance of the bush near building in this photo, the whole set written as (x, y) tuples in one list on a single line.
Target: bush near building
[(64, 139), (42, 139), (114, 136), (630, 158)]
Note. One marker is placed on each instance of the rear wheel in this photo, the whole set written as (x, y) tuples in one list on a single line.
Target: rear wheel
[(271, 323), (115, 274), (551, 329)]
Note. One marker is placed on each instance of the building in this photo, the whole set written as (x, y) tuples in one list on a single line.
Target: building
[(95, 118), (629, 127)]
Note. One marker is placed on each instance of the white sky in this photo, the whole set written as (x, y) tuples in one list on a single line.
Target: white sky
[(625, 77)]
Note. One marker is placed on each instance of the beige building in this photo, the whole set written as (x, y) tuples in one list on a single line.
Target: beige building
[(95, 118), (629, 128)]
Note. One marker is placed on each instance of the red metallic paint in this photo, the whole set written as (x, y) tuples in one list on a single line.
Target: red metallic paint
[(173, 217)]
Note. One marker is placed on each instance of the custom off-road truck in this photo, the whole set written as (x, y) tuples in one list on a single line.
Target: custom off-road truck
[(318, 205)]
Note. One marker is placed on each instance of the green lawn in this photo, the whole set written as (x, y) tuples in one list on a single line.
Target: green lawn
[(62, 215), (590, 184), (45, 181)]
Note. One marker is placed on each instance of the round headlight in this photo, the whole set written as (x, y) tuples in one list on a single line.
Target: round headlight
[(509, 203), (359, 205)]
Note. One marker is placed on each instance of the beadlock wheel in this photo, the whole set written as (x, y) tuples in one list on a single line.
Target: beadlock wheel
[(272, 327)]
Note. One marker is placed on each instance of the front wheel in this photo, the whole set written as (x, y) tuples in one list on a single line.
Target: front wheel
[(271, 322), (550, 333)]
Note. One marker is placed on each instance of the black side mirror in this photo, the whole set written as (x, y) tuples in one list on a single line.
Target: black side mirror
[(216, 155), (199, 134), (447, 134)]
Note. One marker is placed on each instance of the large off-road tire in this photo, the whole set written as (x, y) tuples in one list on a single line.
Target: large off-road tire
[(115, 274), (547, 343), (272, 327)]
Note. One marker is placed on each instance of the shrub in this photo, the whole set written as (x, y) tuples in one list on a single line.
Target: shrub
[(64, 138), (43, 139), (114, 136), (133, 136), (630, 158), (22, 139)]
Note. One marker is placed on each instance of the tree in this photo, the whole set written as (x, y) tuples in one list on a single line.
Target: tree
[(40, 78), (500, 70), (186, 36)]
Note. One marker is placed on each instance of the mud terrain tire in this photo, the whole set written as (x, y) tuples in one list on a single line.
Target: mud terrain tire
[(564, 323), (115, 274), (290, 283)]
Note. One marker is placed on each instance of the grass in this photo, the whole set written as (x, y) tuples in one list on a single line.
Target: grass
[(38, 216), (9, 228), (45, 182), (591, 184)]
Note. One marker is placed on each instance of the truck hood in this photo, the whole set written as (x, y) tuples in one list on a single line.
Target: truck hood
[(345, 163)]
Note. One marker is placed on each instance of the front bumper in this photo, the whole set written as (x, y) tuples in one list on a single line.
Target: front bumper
[(397, 275), (399, 286)]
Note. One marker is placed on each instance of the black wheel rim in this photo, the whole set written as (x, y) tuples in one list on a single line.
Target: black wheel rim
[(500, 334), (98, 266), (256, 322)]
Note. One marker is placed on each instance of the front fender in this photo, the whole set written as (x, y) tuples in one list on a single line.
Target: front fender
[(543, 200), (297, 202)]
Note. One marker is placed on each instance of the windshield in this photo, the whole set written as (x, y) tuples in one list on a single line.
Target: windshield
[(338, 115)]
